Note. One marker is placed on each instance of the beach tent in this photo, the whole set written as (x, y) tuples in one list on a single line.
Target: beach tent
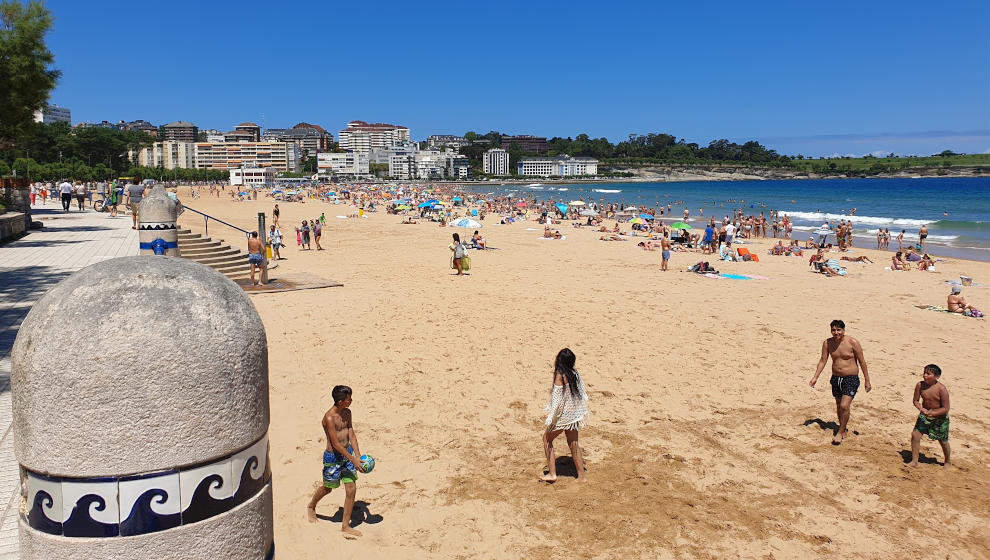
[(402, 207), (425, 205), (631, 209), (562, 207), (646, 216), (636, 221), (588, 213)]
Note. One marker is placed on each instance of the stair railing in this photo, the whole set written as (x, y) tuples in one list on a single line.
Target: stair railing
[(207, 218)]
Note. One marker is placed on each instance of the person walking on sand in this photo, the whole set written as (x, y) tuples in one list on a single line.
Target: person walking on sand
[(459, 252), (341, 458), (567, 411), (275, 215), (847, 360), (275, 241), (931, 398), (317, 233), (900, 240)]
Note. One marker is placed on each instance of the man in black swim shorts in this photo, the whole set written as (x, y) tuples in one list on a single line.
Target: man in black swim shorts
[(847, 360)]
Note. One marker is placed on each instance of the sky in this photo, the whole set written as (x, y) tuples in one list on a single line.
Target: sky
[(810, 78)]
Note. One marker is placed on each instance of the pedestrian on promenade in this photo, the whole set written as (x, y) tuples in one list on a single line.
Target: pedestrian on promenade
[(135, 192), (80, 195), (65, 191)]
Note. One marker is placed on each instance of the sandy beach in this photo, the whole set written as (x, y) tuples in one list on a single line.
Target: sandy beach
[(704, 441)]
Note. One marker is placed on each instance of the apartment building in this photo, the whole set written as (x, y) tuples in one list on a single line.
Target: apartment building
[(429, 164), (382, 156), (310, 138), (560, 166), (447, 141), (360, 136), (181, 131), (167, 154), (529, 144), (349, 164), (496, 162), (250, 128), (280, 156), (52, 114)]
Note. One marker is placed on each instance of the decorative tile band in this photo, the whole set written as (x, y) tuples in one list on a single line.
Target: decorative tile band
[(156, 225), (145, 503)]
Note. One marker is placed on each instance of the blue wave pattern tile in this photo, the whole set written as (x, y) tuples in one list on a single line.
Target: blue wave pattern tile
[(44, 499), (149, 503), (90, 508), (145, 503)]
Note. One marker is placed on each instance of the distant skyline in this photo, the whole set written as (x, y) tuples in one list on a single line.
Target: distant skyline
[(840, 78)]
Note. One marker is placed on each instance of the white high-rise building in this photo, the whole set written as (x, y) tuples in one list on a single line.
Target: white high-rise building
[(496, 162), (360, 136), (168, 154), (350, 164), (52, 114)]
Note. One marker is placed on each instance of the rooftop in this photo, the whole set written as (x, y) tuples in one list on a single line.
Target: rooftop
[(362, 124), (248, 124), (179, 124)]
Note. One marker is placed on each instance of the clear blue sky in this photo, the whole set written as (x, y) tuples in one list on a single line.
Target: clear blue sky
[(817, 78)]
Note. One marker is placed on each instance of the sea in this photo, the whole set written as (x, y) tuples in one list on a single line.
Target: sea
[(956, 209)]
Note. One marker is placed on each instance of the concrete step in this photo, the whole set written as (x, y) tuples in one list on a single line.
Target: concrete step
[(181, 231), (231, 266), (210, 261), (195, 251), (218, 252), (198, 243), (189, 236)]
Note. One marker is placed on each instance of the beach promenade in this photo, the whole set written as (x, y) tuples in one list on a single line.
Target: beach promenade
[(28, 268)]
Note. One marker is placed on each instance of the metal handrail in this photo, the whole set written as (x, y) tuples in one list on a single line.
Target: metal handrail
[(207, 218)]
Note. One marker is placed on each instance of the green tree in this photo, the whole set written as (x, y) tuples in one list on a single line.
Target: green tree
[(24, 65), (4, 168), (310, 165)]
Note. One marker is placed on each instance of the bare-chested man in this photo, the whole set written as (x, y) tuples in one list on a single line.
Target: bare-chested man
[(847, 360), (255, 257), (931, 398), (665, 255), (341, 458)]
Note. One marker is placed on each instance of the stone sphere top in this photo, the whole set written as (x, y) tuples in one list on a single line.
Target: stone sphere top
[(138, 364)]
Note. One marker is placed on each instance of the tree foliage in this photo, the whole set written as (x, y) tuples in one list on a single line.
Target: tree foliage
[(25, 65)]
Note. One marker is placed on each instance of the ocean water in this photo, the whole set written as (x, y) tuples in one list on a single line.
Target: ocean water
[(956, 210)]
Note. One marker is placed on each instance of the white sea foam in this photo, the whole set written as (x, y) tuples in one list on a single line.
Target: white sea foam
[(536, 187), (563, 189), (871, 220), (893, 234), (611, 191)]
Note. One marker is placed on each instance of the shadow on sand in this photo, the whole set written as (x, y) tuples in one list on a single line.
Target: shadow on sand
[(359, 515)]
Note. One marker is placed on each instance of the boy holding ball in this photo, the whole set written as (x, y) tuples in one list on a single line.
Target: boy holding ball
[(340, 460)]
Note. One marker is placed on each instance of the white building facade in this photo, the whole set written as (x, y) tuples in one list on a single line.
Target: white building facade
[(168, 154), (429, 164), (350, 164), (252, 176), (496, 162), (280, 156), (360, 136), (560, 166), (52, 114)]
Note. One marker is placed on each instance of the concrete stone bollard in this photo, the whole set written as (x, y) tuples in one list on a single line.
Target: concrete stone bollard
[(156, 224), (140, 416)]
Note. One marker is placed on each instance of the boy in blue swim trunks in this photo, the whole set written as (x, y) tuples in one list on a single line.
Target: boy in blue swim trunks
[(340, 460), (931, 398)]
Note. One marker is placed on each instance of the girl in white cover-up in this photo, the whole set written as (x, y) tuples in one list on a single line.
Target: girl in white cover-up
[(566, 412)]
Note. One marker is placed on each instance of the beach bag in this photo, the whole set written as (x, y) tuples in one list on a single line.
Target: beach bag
[(465, 263)]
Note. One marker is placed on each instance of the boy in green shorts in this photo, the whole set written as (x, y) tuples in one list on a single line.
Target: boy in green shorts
[(931, 398), (340, 460)]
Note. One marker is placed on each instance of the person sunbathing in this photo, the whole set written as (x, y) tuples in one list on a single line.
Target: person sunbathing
[(897, 263), (810, 243), (409, 220), (956, 303), (478, 241), (546, 232), (646, 245), (926, 263), (557, 235), (861, 258), (612, 237), (778, 249), (616, 228)]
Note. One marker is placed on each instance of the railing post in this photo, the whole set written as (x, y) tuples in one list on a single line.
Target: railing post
[(262, 235), (206, 226)]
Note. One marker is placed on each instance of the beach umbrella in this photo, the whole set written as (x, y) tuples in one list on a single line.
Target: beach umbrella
[(577, 203), (402, 207), (631, 209), (680, 225), (562, 207), (424, 205), (636, 221), (457, 199), (438, 204), (647, 216), (521, 204), (465, 223), (588, 213)]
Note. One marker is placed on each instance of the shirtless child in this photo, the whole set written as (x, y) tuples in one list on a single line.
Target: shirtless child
[(847, 360), (931, 398), (340, 460)]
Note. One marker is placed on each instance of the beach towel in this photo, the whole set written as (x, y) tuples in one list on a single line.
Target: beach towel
[(562, 237)]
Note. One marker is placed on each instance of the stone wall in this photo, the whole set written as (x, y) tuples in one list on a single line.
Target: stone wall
[(13, 225)]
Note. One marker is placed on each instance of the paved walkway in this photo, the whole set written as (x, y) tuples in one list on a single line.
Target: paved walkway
[(30, 266)]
